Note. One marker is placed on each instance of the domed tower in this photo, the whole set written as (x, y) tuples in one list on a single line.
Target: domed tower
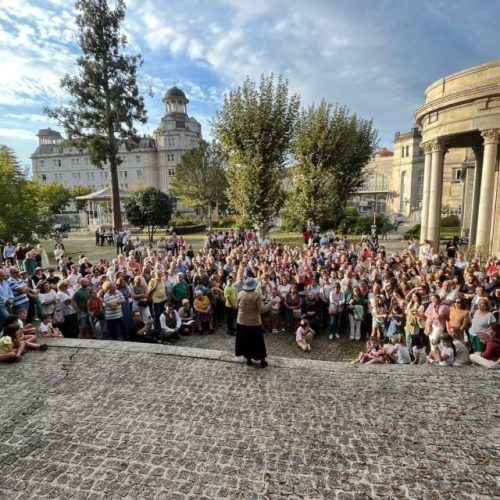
[(176, 101), (176, 134)]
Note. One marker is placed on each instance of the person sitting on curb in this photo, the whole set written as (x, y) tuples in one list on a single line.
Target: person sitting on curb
[(444, 353), (186, 314), (304, 335), (170, 323), (13, 346), (490, 357), (373, 354), (203, 312)]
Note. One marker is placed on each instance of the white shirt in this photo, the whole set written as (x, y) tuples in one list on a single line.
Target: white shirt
[(462, 355), (163, 324), (402, 354), (62, 297)]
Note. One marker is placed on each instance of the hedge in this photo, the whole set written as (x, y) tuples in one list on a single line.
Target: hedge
[(190, 229)]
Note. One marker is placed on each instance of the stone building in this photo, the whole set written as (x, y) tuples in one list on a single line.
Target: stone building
[(151, 162), (463, 111)]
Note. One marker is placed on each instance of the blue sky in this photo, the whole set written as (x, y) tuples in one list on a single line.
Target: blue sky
[(376, 57)]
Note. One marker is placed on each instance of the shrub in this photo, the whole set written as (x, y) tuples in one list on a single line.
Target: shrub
[(450, 221), (189, 229), (186, 221), (413, 232), (230, 221)]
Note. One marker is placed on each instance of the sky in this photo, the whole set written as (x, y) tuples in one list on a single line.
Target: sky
[(374, 56)]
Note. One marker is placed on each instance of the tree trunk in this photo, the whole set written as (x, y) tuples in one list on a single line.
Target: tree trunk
[(209, 216), (115, 195)]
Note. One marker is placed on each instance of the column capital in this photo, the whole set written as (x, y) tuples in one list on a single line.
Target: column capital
[(438, 146), (491, 136), (427, 147)]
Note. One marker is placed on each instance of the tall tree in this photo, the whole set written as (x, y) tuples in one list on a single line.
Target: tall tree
[(150, 208), (106, 101), (200, 179), (332, 147), (55, 196), (255, 128), (23, 215)]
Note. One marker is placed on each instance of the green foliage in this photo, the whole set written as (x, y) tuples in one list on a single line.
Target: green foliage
[(80, 191), (450, 221), (332, 147), (413, 232), (150, 208), (189, 229), (200, 179), (231, 221), (105, 96), (185, 221), (255, 128), (55, 196), (23, 215)]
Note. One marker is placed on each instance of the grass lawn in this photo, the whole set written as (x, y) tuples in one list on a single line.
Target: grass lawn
[(84, 243), (449, 232)]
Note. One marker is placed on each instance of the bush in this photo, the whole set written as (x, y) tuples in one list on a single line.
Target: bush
[(231, 221), (450, 221), (189, 229), (186, 221), (413, 232)]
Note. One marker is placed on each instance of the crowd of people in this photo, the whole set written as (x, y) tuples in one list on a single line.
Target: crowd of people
[(415, 306)]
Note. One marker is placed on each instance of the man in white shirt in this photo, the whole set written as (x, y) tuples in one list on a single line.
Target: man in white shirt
[(170, 323)]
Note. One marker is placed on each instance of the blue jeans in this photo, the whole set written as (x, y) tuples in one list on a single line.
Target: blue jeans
[(4, 314), (334, 324)]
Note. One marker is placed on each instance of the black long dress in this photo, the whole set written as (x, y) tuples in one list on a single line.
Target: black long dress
[(250, 342)]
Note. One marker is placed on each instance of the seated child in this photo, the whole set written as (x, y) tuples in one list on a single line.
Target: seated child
[(28, 329), (418, 350), (46, 329), (275, 304), (461, 350), (304, 335), (398, 353), (373, 354), (444, 352), (13, 344)]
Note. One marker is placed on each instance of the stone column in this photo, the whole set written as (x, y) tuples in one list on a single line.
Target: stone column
[(485, 215), (435, 193), (478, 153), (424, 214)]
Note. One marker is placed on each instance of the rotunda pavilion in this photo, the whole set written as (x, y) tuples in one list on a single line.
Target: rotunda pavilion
[(463, 110)]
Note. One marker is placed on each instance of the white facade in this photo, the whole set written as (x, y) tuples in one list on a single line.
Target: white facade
[(150, 163)]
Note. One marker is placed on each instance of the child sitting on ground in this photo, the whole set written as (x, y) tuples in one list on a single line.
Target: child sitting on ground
[(444, 352), (46, 329), (418, 350), (28, 329), (374, 353), (398, 353), (304, 335), (13, 345)]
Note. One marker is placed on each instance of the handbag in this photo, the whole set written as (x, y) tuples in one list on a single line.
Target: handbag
[(58, 316), (333, 309)]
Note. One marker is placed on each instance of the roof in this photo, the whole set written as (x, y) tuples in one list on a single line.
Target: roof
[(104, 195), (384, 152), (175, 92), (48, 132)]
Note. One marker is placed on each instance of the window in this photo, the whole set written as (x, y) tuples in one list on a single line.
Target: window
[(44, 178), (403, 151), (139, 174), (87, 174), (72, 162), (58, 163), (407, 150), (138, 158), (171, 172), (456, 175), (125, 174), (170, 157), (77, 161), (402, 192), (170, 142), (42, 163), (92, 175)]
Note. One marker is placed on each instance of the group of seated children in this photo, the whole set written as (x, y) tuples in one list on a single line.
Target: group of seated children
[(451, 350), (18, 337)]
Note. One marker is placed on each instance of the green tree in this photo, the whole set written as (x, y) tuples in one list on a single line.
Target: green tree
[(255, 128), (80, 191), (55, 196), (200, 178), (149, 208), (23, 215), (105, 97), (332, 147)]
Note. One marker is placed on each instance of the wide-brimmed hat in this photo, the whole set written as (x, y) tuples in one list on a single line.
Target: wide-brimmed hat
[(250, 284)]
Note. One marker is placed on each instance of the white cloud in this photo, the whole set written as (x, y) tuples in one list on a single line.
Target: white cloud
[(17, 133)]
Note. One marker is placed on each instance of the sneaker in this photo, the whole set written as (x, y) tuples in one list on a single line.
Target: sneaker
[(275, 331), (337, 336), (263, 363), (330, 336), (44, 347)]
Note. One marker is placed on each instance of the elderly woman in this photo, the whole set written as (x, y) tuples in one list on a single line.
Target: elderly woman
[(203, 312), (249, 337), (480, 322)]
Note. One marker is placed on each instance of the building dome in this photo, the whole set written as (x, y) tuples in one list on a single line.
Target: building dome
[(384, 152), (175, 92)]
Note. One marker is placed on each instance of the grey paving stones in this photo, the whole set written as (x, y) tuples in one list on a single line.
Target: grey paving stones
[(128, 421)]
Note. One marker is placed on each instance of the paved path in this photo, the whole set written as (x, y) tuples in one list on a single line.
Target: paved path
[(102, 420)]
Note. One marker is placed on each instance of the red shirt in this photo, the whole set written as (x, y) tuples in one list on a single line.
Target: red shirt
[(492, 350)]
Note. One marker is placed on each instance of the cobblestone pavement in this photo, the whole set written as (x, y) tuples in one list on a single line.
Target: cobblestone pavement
[(281, 344), (112, 422)]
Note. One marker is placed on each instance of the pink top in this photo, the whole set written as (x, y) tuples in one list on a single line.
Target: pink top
[(301, 333)]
